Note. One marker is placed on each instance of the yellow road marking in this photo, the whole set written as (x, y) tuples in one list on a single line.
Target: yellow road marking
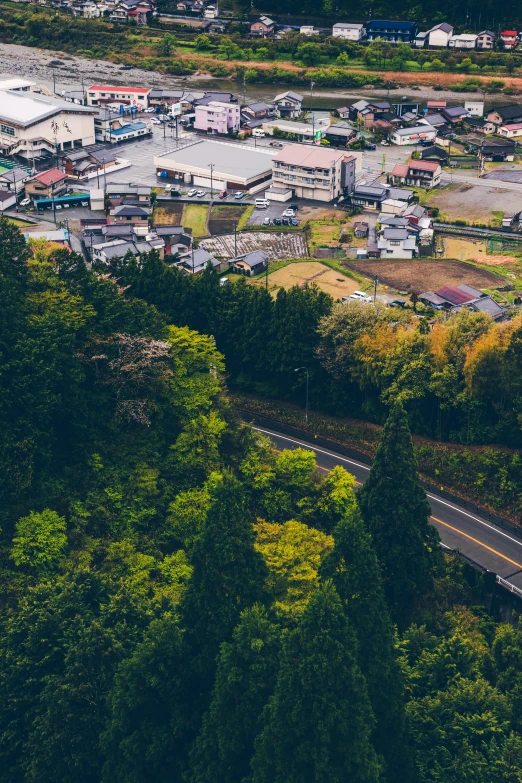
[(476, 541), (451, 527)]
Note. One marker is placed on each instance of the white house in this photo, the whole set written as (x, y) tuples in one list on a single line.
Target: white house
[(397, 243), (440, 35), (288, 104), (308, 29), (463, 41), (7, 200), (474, 108), (350, 32), (31, 124), (512, 131), (100, 94), (404, 136)]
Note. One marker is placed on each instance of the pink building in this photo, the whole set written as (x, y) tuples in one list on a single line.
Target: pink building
[(217, 117)]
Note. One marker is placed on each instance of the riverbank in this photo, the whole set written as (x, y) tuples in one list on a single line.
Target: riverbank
[(75, 71)]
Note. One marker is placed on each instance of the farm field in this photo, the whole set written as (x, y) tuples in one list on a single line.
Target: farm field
[(465, 249), (224, 217), (472, 203), (278, 245), (195, 217), (419, 276), (168, 215), (328, 280)]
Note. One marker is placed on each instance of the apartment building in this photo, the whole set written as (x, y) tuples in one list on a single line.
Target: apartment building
[(217, 117), (348, 32), (314, 172)]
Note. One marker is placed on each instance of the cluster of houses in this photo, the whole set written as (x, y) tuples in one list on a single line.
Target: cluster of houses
[(455, 298), (440, 36)]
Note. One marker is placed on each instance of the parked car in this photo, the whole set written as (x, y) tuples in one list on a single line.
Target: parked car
[(285, 221), (259, 132), (275, 144), (25, 202), (192, 193), (266, 221), (239, 195), (277, 221), (150, 110), (288, 213), (223, 194), (223, 280), (370, 146), (294, 221), (262, 203), (293, 207), (385, 143), (359, 296), (200, 193)]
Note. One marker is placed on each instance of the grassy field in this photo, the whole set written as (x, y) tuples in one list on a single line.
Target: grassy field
[(195, 217), (19, 223), (329, 280)]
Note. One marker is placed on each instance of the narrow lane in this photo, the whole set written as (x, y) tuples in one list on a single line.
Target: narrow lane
[(473, 535)]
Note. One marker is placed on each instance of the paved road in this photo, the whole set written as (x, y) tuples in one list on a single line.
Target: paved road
[(476, 537)]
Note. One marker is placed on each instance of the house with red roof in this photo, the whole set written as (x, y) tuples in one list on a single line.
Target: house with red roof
[(509, 39), (417, 173), (100, 94), (46, 184)]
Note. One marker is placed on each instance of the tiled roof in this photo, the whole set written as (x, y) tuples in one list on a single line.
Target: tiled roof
[(50, 177)]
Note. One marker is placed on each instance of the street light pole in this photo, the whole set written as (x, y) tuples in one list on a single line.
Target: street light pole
[(297, 369), (211, 167)]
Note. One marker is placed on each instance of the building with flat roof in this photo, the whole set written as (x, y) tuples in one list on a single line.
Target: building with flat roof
[(23, 85), (33, 125), (316, 173), (98, 94), (300, 131), (234, 167), (348, 32), (217, 117)]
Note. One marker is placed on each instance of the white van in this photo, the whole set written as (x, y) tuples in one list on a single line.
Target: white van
[(262, 203), (259, 132), (357, 296)]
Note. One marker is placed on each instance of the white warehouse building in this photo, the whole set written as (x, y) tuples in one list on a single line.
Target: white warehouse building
[(404, 136), (33, 125), (233, 167)]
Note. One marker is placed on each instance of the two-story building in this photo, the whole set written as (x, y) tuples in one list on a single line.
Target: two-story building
[(348, 32), (217, 117), (99, 94), (397, 242), (120, 193), (418, 173), (439, 36), (263, 27), (32, 125), (405, 136), (391, 31), (509, 39), (130, 213), (503, 115), (288, 105), (486, 40), (46, 184), (315, 172)]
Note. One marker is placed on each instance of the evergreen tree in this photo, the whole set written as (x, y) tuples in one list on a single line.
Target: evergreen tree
[(396, 512), (318, 723), (355, 571), (246, 672), (229, 576), (146, 734)]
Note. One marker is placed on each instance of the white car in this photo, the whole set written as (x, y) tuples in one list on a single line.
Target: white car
[(25, 202), (200, 193), (192, 193), (150, 110), (359, 296), (154, 121), (266, 221), (288, 213), (239, 195), (385, 143)]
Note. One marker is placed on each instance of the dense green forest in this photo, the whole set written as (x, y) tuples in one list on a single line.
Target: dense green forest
[(460, 381), (180, 602)]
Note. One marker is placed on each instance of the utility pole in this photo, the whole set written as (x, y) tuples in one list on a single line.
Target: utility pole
[(211, 167), (375, 284), (192, 258), (235, 240), (312, 112), (266, 276), (54, 204), (16, 190)]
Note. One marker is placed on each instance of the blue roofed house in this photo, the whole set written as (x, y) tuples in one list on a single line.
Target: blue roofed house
[(392, 31)]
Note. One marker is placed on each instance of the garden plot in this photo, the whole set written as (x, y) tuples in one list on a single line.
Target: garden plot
[(278, 245), (419, 276)]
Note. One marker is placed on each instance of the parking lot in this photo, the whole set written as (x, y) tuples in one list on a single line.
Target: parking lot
[(258, 216)]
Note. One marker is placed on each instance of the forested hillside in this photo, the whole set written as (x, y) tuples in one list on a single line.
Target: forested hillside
[(179, 602)]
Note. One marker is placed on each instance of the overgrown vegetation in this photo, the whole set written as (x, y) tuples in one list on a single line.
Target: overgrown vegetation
[(180, 602)]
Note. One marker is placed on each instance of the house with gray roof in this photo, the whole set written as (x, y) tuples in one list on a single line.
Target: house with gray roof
[(288, 105), (250, 264)]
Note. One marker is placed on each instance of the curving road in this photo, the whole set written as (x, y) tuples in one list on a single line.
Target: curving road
[(474, 536)]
